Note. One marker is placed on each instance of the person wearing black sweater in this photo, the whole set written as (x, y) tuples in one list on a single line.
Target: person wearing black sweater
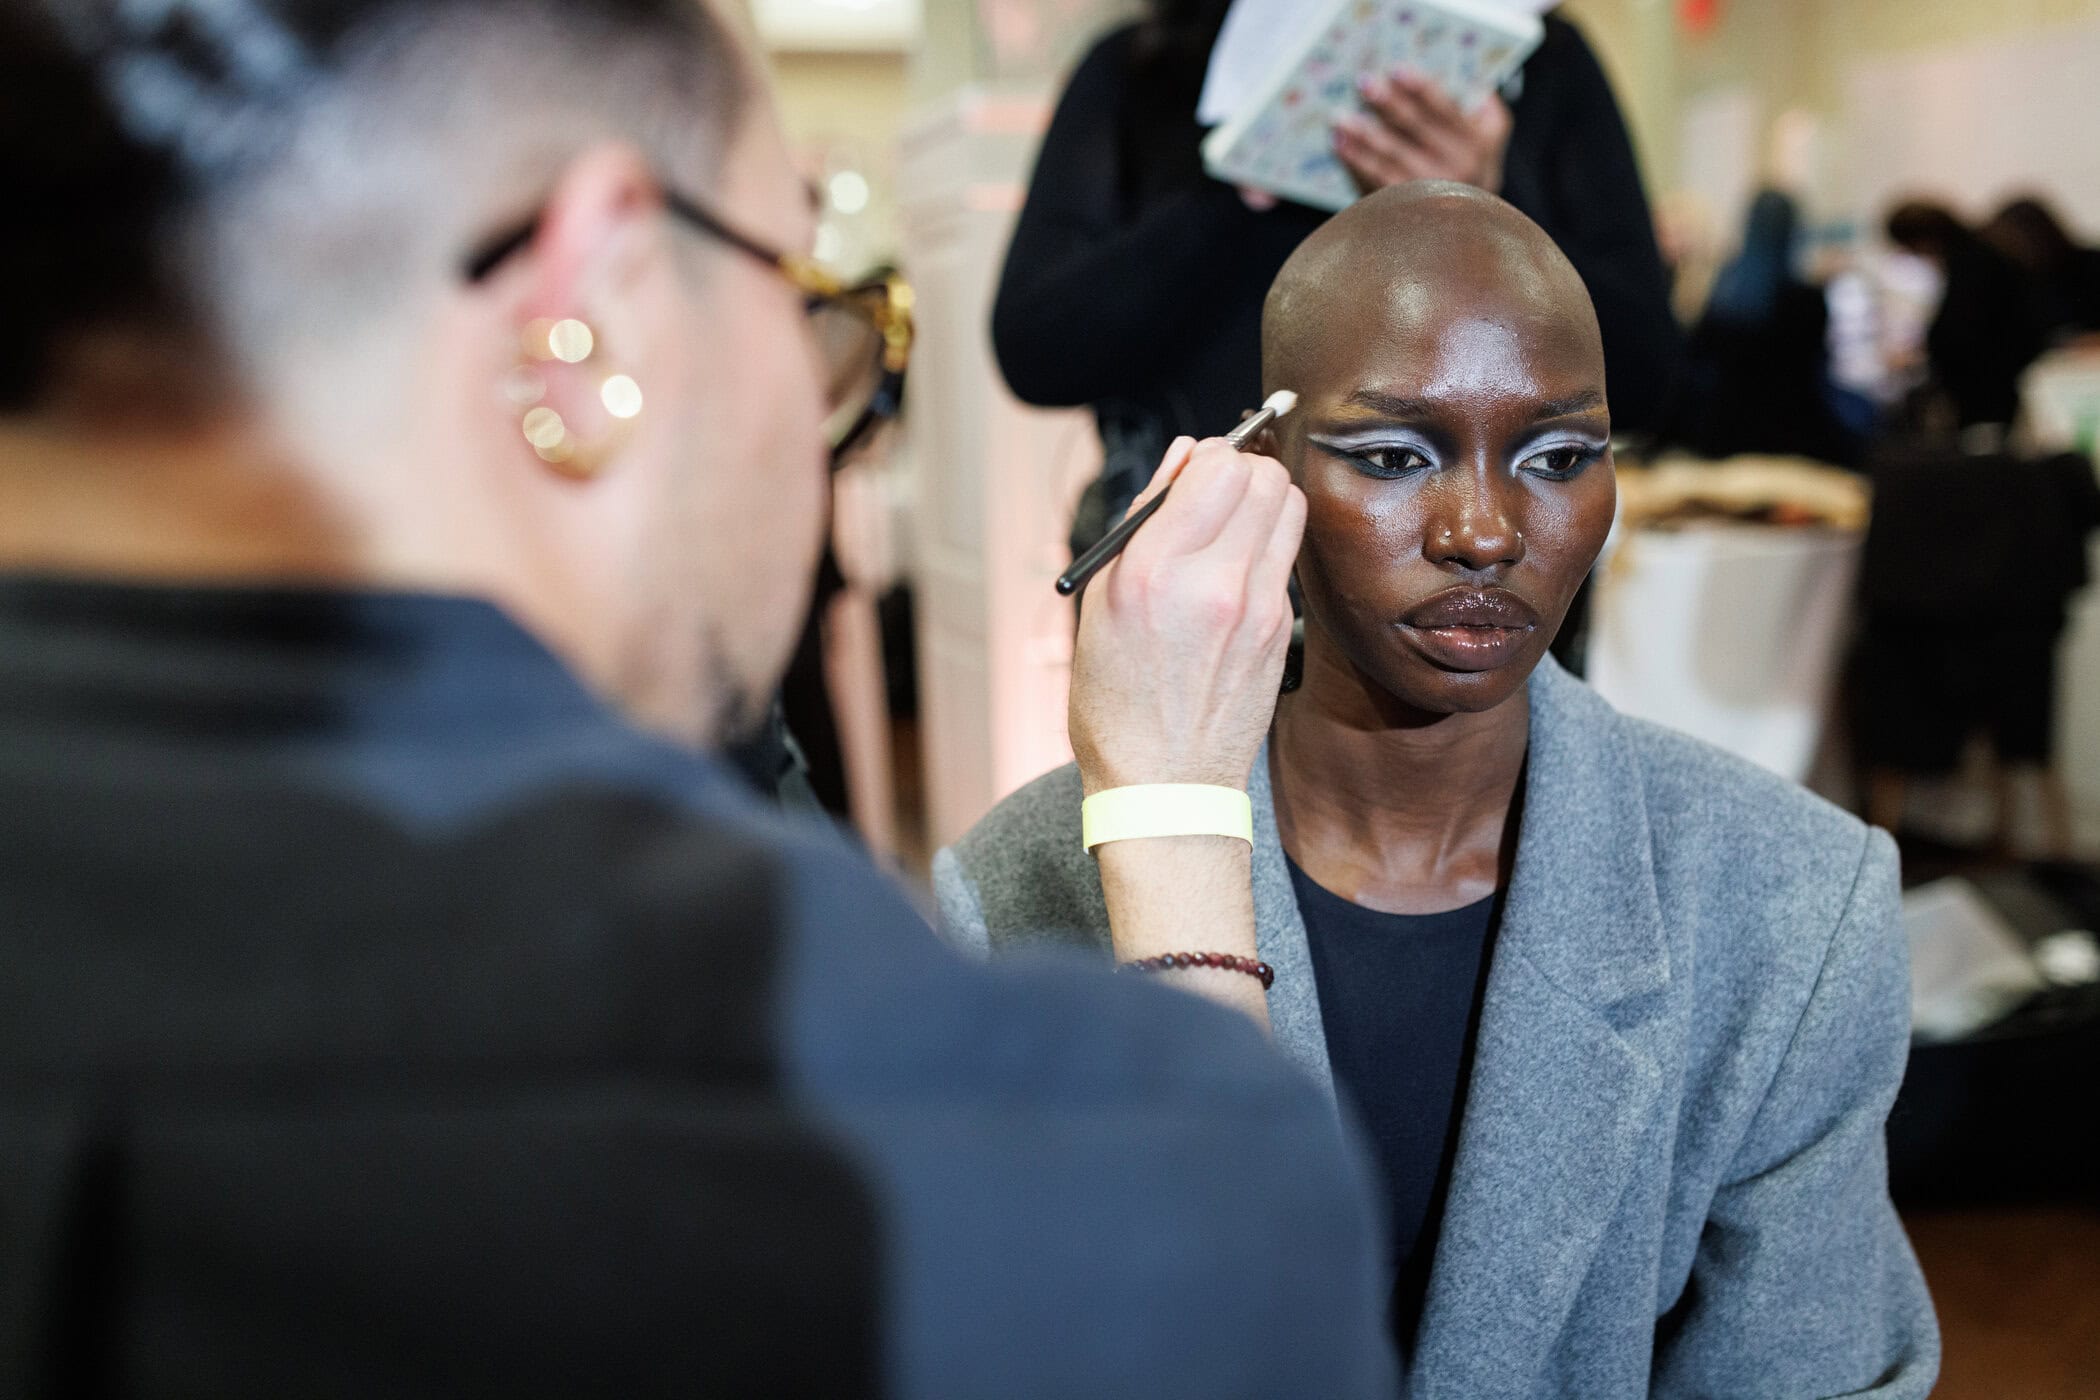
[(1986, 332), (1759, 376), (2064, 274), (1134, 282)]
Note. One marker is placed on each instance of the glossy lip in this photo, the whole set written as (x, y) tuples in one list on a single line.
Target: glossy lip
[(1471, 629)]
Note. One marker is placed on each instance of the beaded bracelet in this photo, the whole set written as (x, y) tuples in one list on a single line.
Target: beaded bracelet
[(1229, 962)]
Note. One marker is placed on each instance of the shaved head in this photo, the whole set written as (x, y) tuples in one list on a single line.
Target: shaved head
[(264, 178), (1408, 253), (275, 289), (1453, 443)]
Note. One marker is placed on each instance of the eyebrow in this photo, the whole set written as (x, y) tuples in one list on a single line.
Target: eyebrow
[(1588, 401), (1390, 405), (1395, 406)]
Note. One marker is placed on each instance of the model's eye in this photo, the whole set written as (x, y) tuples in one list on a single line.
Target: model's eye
[(1560, 463), (1388, 462)]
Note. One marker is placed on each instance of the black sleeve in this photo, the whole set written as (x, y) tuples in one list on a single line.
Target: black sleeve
[(2083, 291), (1095, 291), (1599, 215)]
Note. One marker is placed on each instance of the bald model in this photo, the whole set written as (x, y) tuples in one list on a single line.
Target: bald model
[(1419, 250), (1551, 958), (1452, 430)]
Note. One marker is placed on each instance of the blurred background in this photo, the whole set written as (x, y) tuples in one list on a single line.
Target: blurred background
[(1851, 501)]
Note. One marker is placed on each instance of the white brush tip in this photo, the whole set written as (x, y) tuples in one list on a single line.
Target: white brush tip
[(1281, 402)]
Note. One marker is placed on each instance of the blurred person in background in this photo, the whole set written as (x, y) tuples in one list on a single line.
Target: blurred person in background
[(1983, 334), (1759, 377), (410, 477), (2063, 273), (1134, 282), (1686, 235)]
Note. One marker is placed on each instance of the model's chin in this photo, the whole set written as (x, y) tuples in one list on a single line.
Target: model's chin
[(1473, 691), (1427, 676), (1427, 683)]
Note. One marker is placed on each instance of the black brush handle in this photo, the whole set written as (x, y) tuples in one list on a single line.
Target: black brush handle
[(1111, 544), (1106, 548)]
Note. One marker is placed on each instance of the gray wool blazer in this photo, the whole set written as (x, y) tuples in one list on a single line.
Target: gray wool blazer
[(1671, 1176)]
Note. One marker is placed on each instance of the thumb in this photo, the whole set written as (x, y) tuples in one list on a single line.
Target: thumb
[(1494, 119)]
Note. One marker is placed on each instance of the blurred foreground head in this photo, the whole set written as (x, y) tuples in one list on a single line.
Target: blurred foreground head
[(265, 323)]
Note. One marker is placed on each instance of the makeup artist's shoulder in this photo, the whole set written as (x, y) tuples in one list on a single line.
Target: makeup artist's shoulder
[(1021, 870)]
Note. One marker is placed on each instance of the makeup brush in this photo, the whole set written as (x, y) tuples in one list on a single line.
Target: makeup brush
[(1111, 544)]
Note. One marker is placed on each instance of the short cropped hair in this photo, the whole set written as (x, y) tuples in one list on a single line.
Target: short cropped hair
[(199, 166)]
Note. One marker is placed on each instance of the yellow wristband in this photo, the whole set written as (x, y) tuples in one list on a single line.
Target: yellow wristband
[(1165, 809)]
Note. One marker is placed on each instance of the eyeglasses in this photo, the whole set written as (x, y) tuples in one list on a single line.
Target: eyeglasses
[(863, 330)]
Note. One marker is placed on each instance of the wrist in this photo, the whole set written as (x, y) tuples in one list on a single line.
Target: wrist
[(1181, 883), (1100, 778), (1182, 894), (1100, 771)]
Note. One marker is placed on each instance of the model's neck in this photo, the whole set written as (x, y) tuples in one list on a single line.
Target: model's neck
[(1398, 809)]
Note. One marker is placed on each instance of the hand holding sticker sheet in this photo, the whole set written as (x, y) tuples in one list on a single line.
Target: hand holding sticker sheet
[(1281, 138)]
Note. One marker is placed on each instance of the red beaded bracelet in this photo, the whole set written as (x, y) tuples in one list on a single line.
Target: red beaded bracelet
[(1229, 962)]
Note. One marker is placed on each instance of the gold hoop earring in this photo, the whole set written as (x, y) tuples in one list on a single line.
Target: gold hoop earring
[(568, 341)]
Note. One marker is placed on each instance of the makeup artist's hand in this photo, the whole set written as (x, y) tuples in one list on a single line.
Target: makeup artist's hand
[(1182, 637), (1410, 129)]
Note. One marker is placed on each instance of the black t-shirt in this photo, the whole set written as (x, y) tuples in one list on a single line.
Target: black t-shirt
[(1400, 998)]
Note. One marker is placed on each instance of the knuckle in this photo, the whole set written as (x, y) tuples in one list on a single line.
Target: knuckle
[(1219, 610), (1295, 508), (1264, 498), (1211, 604), (1130, 583)]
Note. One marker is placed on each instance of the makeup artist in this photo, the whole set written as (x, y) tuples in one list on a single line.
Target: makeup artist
[(1622, 1014), (403, 996), (1134, 281)]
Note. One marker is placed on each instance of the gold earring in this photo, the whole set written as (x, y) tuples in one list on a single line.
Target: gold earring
[(570, 342)]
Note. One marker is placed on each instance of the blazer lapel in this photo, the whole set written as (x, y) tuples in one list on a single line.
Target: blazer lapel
[(1279, 936), (1558, 1099)]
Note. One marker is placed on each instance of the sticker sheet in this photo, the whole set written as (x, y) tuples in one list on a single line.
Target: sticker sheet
[(1284, 143)]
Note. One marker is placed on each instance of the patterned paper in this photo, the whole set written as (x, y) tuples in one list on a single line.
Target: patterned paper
[(1284, 141)]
